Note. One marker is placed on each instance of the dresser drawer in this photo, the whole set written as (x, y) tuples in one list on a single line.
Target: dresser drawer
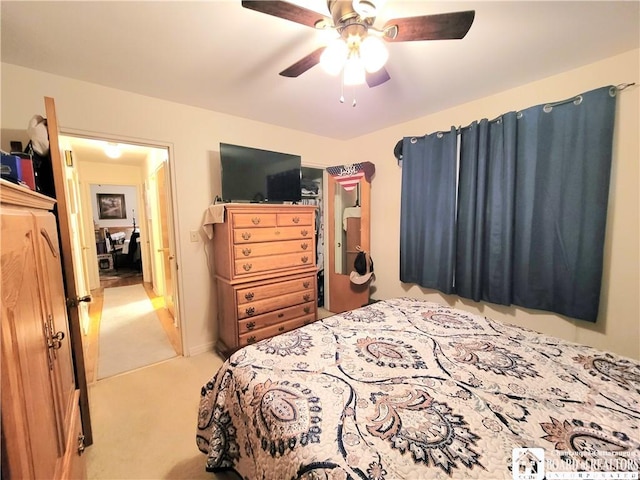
[(254, 220), (251, 266), (253, 337), (277, 317), (261, 292), (292, 219), (272, 248), (267, 305), (271, 234)]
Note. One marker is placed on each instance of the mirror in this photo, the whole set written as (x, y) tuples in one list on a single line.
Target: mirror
[(348, 219)]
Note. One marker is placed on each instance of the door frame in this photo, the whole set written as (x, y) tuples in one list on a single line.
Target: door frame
[(171, 207)]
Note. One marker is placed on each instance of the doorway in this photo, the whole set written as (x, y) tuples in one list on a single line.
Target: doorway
[(119, 197)]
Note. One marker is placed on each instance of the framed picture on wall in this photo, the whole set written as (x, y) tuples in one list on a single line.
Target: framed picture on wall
[(111, 206)]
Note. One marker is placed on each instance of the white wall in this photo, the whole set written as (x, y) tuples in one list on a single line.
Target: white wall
[(194, 134), (618, 325)]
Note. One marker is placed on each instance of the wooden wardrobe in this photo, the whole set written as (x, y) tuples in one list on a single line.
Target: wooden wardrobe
[(41, 427)]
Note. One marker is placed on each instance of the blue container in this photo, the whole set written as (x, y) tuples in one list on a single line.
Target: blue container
[(11, 167)]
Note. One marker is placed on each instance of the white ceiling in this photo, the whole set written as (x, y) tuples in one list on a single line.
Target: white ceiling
[(93, 150), (220, 56)]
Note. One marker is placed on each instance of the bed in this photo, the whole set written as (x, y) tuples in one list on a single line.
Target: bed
[(409, 389)]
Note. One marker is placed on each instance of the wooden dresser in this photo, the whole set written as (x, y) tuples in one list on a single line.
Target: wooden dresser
[(41, 428), (265, 262)]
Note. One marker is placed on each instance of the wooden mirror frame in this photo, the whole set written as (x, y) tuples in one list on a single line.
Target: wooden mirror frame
[(343, 294)]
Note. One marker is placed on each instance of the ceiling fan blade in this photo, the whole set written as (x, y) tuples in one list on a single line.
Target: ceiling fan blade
[(303, 64), (288, 11), (444, 26), (376, 78)]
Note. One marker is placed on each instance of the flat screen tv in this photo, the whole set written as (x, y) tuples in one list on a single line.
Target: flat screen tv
[(254, 175)]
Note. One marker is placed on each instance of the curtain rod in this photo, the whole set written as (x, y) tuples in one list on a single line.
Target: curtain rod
[(547, 107)]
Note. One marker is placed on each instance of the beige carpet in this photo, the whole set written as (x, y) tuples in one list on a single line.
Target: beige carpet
[(131, 335), (144, 422)]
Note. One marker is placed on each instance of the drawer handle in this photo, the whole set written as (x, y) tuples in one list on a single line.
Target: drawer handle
[(307, 309), (277, 232), (246, 235), (250, 310), (304, 246), (251, 340), (246, 252), (304, 259), (255, 220), (306, 284), (296, 219), (304, 232), (80, 444), (306, 297), (280, 315), (251, 325), (281, 329), (247, 267), (248, 296)]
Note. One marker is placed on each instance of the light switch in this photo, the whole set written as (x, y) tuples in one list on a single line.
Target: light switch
[(195, 235)]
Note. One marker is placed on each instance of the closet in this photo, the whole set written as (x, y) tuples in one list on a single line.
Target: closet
[(41, 426)]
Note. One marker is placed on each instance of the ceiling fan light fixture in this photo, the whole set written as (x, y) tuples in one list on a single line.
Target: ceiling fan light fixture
[(373, 53), (112, 150), (354, 73), (367, 8), (334, 56)]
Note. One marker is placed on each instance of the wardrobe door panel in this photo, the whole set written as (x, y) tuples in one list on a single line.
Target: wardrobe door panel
[(24, 329), (53, 286)]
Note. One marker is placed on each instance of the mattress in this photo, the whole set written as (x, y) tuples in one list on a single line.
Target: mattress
[(409, 389)]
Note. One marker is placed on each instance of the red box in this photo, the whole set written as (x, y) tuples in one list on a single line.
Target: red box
[(27, 173)]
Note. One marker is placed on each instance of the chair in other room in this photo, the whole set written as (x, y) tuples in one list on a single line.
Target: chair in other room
[(114, 249)]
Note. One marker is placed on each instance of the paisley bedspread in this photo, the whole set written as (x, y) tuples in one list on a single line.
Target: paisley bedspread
[(408, 389)]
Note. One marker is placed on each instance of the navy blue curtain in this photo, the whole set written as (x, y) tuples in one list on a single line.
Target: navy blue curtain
[(562, 190), (427, 218), (532, 204), (484, 249)]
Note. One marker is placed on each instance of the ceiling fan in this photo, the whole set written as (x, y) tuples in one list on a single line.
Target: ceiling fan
[(359, 52)]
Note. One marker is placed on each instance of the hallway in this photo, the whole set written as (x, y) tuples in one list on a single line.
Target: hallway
[(91, 339)]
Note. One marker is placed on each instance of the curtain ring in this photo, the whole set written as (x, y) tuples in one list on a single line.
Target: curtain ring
[(519, 115), (577, 100), (547, 108), (414, 140), (613, 91), (439, 135)]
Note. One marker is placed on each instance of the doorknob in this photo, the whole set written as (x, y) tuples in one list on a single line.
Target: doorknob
[(171, 257), (74, 302)]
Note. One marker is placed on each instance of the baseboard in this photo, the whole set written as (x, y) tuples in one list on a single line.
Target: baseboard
[(206, 347)]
